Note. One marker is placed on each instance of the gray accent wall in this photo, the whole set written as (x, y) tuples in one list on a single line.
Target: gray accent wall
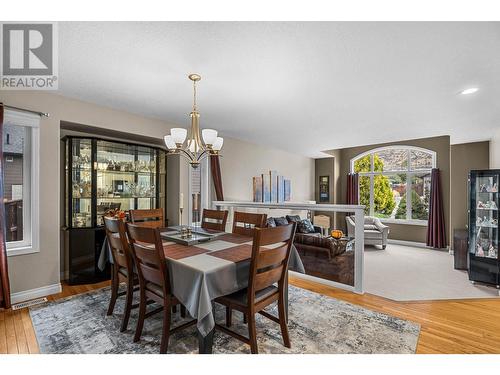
[(464, 157)]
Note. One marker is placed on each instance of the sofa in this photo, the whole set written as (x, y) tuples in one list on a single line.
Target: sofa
[(375, 233), (321, 255)]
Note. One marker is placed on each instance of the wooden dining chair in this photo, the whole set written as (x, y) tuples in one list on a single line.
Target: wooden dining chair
[(122, 268), (245, 222), (214, 220), (152, 218), (268, 266), (154, 280)]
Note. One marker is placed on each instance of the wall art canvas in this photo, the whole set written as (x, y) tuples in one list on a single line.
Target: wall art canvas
[(281, 189), (266, 188), (288, 190), (274, 186), (257, 189)]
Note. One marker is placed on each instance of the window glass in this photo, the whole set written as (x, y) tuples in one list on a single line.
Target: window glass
[(420, 160), (420, 194), (388, 191), (391, 160), (15, 140), (364, 193), (397, 185), (363, 164)]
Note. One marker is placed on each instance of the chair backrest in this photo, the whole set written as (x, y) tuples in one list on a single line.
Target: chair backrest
[(214, 220), (152, 218), (245, 222), (149, 257), (116, 233), (270, 254)]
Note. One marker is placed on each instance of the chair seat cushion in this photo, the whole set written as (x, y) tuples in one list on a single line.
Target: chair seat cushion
[(370, 227), (240, 297)]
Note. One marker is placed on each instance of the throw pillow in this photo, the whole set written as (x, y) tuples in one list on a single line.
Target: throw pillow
[(305, 226), (280, 221), (270, 222), (293, 218)]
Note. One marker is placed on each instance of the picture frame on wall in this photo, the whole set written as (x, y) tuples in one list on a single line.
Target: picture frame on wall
[(324, 189)]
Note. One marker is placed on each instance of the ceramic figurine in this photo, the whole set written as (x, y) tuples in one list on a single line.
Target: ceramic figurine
[(479, 221), (492, 205), (492, 252), (482, 188), (480, 204), (479, 251)]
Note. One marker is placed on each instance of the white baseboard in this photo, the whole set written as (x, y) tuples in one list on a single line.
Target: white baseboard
[(35, 293), (414, 244)]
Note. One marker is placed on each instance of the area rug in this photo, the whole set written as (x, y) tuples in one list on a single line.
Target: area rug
[(317, 324)]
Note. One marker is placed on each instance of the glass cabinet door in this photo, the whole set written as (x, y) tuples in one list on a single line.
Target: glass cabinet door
[(485, 203), (81, 183), (126, 177)]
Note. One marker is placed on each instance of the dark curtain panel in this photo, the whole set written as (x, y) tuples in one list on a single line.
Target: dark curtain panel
[(352, 188), (216, 176), (436, 232), (4, 273)]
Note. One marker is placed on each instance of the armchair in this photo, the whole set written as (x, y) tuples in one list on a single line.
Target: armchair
[(375, 233)]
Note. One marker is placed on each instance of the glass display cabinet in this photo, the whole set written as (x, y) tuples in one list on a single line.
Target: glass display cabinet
[(483, 226), (101, 175)]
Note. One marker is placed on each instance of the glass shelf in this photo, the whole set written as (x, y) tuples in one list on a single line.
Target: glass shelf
[(127, 197), (103, 175), (108, 171)]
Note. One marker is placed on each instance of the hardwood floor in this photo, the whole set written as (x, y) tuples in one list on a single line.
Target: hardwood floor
[(458, 326)]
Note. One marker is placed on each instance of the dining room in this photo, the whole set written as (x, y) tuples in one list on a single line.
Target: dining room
[(212, 195)]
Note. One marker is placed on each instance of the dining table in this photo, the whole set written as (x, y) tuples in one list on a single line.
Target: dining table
[(203, 271)]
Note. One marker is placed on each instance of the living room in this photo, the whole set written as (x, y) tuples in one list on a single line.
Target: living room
[(261, 187)]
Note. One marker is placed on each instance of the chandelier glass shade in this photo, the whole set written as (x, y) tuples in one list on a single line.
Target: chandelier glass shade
[(193, 145)]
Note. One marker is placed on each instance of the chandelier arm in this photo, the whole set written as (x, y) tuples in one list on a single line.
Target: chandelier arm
[(186, 154), (203, 155)]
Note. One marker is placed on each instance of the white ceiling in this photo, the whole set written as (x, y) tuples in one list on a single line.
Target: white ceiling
[(302, 87)]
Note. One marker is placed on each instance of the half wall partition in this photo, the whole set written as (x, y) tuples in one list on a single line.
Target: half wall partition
[(358, 210)]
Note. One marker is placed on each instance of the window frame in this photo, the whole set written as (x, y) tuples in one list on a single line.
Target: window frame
[(408, 172), (31, 185)]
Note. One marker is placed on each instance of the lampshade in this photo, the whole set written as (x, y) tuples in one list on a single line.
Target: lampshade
[(209, 136), (217, 146), (169, 142), (178, 134)]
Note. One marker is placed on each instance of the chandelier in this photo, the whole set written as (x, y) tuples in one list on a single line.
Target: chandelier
[(197, 147)]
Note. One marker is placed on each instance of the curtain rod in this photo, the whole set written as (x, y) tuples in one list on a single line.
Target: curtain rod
[(41, 114)]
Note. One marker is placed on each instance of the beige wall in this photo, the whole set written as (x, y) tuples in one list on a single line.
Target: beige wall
[(405, 232), (240, 161), (464, 157)]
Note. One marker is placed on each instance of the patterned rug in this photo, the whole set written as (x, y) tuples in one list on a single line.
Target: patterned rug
[(317, 324)]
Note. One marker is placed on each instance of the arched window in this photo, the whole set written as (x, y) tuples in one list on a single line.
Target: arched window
[(394, 182)]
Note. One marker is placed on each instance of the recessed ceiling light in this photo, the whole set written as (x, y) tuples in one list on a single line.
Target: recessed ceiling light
[(469, 91)]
